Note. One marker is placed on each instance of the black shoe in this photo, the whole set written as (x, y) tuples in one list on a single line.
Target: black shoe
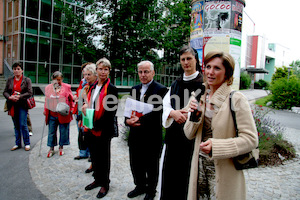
[(149, 197), (80, 157), (136, 192), (89, 170), (102, 194), (92, 186)]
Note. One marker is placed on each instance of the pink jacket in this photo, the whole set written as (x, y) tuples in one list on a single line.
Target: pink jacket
[(51, 100)]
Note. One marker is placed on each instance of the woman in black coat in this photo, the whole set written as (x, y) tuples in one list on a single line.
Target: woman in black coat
[(102, 99)]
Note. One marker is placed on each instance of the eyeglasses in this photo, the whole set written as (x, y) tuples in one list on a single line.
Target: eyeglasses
[(145, 72)]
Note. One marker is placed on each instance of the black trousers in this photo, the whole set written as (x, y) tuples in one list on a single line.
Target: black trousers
[(144, 163), (100, 154), (176, 172)]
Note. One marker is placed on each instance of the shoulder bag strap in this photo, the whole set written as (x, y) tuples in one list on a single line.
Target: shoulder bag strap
[(233, 113)]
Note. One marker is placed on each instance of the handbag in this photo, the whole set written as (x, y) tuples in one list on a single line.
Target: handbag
[(5, 107), (62, 108), (30, 102), (247, 160)]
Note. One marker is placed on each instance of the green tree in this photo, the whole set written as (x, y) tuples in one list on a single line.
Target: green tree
[(281, 72), (245, 80), (296, 68), (129, 31), (177, 21), (79, 30)]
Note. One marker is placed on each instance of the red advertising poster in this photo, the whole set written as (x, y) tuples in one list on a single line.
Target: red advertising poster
[(237, 16)]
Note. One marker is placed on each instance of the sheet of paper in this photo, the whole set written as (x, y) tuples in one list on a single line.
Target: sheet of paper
[(137, 108)]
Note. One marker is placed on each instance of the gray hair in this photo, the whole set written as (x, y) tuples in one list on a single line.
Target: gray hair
[(57, 74), (146, 62), (105, 62), (91, 67)]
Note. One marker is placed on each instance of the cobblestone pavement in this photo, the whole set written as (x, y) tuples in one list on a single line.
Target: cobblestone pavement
[(62, 177)]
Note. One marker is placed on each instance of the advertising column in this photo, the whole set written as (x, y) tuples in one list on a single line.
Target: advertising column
[(221, 26)]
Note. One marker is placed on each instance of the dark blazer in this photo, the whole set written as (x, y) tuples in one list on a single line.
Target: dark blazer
[(149, 134), (106, 122), (26, 92)]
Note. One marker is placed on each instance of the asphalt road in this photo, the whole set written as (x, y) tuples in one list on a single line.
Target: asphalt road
[(286, 118), (15, 178)]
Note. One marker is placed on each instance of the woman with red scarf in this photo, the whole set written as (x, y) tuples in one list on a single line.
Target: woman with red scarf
[(102, 99), (17, 90)]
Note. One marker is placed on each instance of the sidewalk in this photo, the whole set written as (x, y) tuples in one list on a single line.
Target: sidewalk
[(62, 177)]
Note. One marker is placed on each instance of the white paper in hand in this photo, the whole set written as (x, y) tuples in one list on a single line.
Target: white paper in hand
[(134, 106)]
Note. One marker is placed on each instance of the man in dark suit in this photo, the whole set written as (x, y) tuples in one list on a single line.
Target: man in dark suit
[(145, 138)]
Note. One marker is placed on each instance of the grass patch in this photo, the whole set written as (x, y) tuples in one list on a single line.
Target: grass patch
[(263, 101)]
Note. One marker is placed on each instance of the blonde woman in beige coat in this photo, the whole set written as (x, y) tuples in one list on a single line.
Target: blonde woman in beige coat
[(214, 116)]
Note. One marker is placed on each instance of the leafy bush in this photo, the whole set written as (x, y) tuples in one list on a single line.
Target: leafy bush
[(273, 149), (261, 84), (281, 72), (286, 93), (245, 80)]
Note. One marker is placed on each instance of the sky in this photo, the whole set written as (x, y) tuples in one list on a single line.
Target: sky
[(279, 21)]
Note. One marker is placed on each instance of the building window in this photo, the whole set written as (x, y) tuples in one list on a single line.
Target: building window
[(15, 47), (76, 75), (30, 71), (43, 73), (9, 9), (46, 8), (33, 8), (56, 33), (16, 25), (68, 53), (31, 48), (16, 8), (9, 27), (45, 29), (44, 50), (56, 12), (56, 49), (54, 68), (31, 26), (67, 71)]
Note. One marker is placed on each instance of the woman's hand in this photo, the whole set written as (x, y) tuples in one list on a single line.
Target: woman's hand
[(195, 110), (133, 121), (206, 146), (83, 109), (194, 105), (14, 98), (75, 98), (179, 116)]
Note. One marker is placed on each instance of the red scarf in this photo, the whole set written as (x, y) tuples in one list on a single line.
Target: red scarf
[(16, 88), (99, 104)]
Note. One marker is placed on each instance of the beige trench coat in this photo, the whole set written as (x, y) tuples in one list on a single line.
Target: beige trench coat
[(230, 183)]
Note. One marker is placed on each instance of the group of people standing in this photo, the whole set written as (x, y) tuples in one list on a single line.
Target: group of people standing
[(200, 141)]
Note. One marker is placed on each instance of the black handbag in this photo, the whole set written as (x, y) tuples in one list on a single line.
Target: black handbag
[(247, 160)]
